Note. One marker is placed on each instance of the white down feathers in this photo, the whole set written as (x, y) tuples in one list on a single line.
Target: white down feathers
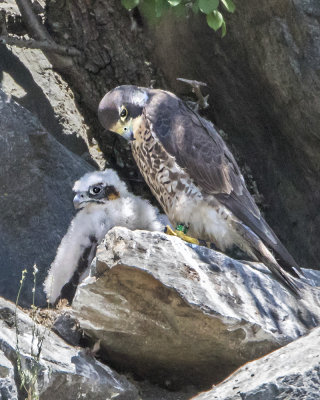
[(96, 220)]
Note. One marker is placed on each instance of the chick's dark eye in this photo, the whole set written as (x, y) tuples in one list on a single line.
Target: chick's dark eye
[(96, 189), (123, 113)]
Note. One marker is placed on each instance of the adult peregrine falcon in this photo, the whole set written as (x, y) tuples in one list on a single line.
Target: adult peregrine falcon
[(103, 202), (193, 174)]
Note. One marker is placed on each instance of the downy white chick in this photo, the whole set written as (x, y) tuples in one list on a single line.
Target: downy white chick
[(104, 202)]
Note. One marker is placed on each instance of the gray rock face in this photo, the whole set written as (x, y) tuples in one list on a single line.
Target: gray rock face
[(292, 372), (172, 312), (8, 388), (37, 174), (263, 80), (64, 372), (68, 328), (27, 76)]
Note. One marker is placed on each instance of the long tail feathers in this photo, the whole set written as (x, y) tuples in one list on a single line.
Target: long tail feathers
[(263, 254)]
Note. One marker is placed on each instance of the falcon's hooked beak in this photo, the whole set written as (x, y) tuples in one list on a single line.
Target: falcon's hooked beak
[(124, 129), (80, 199), (120, 108)]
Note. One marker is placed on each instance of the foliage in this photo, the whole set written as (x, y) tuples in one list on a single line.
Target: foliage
[(154, 9)]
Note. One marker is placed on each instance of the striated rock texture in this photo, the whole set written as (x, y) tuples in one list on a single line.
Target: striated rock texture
[(64, 92), (37, 174), (115, 50), (263, 80), (29, 77), (183, 314), (64, 372), (292, 372)]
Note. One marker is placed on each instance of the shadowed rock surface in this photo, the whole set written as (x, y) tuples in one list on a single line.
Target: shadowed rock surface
[(37, 175), (64, 372), (263, 81), (168, 312), (292, 372), (113, 53), (165, 310), (27, 76)]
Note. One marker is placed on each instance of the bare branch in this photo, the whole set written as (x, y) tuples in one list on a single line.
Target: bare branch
[(59, 56), (31, 20), (196, 88), (39, 44), (192, 82)]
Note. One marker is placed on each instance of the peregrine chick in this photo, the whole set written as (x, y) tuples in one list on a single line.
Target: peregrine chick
[(104, 202)]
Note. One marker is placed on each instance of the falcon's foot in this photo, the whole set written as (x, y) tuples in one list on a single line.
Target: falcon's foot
[(181, 235)]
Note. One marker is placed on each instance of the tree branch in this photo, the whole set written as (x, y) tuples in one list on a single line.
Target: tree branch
[(45, 45), (196, 88), (59, 56), (31, 20)]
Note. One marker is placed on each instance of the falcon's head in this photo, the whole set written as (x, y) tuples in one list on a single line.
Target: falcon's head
[(98, 187), (119, 107)]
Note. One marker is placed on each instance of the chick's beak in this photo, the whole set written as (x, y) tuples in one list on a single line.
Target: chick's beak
[(79, 200)]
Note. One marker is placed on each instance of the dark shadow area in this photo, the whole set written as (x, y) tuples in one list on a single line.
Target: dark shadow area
[(36, 101)]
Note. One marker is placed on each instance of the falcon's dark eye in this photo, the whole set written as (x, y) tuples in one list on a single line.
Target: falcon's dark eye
[(96, 189), (123, 113)]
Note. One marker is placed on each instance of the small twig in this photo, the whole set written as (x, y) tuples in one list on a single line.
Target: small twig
[(39, 44), (196, 88), (192, 82)]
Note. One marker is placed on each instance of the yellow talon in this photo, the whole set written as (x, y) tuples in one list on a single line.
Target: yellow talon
[(168, 230), (181, 235), (186, 238)]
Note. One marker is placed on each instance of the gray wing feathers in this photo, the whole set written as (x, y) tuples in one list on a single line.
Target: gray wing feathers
[(258, 249), (198, 147)]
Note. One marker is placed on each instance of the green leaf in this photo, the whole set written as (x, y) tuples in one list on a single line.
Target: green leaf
[(130, 4), (229, 5), (208, 6), (161, 7), (174, 3), (147, 8), (195, 7), (223, 29), (215, 20)]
